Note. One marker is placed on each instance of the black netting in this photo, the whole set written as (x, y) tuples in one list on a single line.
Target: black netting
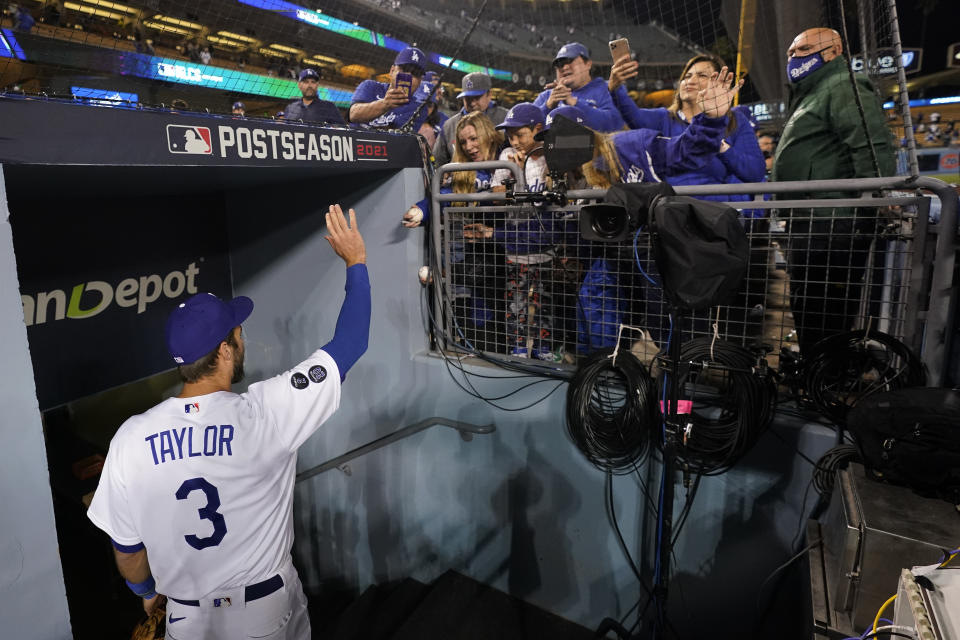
[(210, 54)]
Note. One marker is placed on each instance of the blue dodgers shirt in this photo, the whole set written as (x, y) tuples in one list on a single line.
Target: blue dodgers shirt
[(593, 99), (371, 91)]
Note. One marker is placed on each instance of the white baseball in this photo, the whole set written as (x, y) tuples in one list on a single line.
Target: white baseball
[(424, 274), (414, 215)]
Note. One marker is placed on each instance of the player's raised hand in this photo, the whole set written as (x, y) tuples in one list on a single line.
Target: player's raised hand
[(621, 71), (345, 238), (721, 89)]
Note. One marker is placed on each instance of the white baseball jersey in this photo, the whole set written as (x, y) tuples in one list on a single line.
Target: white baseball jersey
[(206, 483), (534, 171)]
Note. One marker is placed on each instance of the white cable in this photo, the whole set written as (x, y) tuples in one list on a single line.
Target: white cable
[(716, 334), (616, 349)]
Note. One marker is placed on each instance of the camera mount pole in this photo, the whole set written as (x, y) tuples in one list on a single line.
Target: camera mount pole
[(672, 434)]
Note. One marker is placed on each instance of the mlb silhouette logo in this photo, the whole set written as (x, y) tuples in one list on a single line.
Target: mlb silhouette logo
[(192, 407), (192, 140)]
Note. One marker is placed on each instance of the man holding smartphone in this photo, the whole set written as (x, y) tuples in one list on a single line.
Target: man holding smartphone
[(391, 105), (574, 86)]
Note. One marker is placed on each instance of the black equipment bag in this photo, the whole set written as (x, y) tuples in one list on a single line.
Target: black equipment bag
[(701, 250), (911, 437)]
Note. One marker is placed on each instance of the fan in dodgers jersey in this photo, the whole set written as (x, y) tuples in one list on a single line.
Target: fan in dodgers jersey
[(197, 492)]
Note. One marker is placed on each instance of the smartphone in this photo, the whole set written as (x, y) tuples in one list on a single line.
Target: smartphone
[(405, 82), (619, 49)]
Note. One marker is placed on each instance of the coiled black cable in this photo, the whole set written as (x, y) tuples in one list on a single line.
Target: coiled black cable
[(834, 459), (611, 411), (724, 427), (845, 368)]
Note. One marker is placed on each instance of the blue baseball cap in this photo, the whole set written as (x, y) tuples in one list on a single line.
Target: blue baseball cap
[(566, 111), (523, 114), (425, 92), (474, 84), (410, 55), (570, 51), (239, 105), (308, 74), (430, 76), (199, 324)]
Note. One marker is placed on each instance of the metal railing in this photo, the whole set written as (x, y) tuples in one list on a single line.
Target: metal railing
[(466, 430), (906, 266)]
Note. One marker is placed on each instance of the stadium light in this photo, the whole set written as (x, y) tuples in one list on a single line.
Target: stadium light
[(227, 42), (159, 26), (325, 59), (272, 52), (236, 36), (116, 6), (178, 22), (92, 11), (283, 47)]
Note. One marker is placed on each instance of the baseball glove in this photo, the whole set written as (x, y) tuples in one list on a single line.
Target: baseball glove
[(154, 627)]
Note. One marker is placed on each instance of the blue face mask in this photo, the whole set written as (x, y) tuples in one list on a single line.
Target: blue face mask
[(800, 67)]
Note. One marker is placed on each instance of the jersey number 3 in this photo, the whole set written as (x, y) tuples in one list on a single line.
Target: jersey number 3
[(208, 512)]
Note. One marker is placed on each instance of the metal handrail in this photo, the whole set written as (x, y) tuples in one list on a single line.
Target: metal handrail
[(466, 429)]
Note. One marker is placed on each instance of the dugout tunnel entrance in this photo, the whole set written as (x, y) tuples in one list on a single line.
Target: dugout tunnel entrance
[(111, 227)]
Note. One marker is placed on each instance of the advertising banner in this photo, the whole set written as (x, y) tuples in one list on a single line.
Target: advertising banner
[(98, 278)]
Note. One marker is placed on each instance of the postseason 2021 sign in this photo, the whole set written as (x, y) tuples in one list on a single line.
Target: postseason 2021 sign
[(97, 284), (40, 132)]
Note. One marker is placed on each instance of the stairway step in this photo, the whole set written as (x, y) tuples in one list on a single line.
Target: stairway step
[(395, 609), (352, 623), (460, 608)]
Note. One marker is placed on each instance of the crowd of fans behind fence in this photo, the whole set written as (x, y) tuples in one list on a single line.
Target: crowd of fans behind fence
[(697, 140)]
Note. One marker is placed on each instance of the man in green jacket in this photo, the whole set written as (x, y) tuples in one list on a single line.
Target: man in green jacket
[(826, 138)]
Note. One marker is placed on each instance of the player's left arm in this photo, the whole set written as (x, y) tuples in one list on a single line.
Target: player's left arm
[(135, 569), (353, 324)]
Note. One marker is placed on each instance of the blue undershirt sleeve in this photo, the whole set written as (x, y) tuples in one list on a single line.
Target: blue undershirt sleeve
[(353, 324)]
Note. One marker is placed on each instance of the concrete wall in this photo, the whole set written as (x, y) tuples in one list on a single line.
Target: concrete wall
[(33, 603), (519, 509)]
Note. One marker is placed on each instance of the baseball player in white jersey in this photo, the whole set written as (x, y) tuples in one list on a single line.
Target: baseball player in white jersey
[(202, 483)]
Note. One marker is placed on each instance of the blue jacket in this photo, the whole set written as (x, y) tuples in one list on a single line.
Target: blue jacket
[(599, 111), (648, 156), (371, 91), (742, 162)]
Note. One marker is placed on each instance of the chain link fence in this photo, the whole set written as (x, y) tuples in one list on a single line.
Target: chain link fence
[(521, 282)]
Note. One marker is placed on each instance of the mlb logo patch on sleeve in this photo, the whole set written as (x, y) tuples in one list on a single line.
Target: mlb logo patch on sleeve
[(193, 140)]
